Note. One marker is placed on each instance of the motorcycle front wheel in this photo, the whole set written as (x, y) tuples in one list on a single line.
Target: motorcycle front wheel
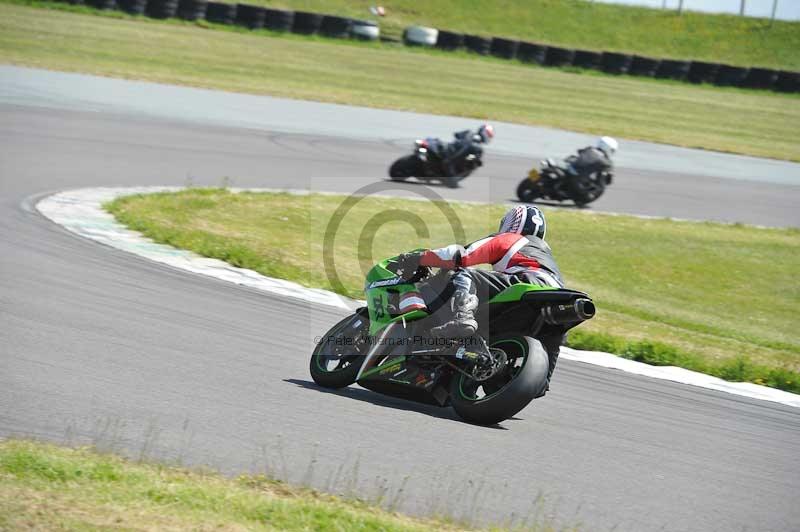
[(404, 167), (527, 191), (523, 379), (339, 354)]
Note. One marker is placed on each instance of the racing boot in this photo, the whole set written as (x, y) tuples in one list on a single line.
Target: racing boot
[(463, 323)]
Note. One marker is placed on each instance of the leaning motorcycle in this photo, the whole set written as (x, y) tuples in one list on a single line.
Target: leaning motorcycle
[(553, 182), (426, 163), (386, 346)]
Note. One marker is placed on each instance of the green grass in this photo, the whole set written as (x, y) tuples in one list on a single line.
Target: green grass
[(582, 24), (388, 76), (45, 487), (717, 298)]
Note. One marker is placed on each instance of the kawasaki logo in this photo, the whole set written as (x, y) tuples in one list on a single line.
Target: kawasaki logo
[(385, 282)]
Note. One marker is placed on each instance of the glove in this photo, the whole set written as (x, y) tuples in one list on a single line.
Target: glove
[(408, 264)]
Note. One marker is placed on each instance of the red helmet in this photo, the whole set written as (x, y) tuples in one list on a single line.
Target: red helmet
[(486, 133)]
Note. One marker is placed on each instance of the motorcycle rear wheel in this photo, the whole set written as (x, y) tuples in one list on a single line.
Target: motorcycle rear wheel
[(404, 167), (500, 397), (336, 361), (527, 192)]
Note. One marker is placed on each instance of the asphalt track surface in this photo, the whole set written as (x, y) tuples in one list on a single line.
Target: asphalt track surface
[(100, 346)]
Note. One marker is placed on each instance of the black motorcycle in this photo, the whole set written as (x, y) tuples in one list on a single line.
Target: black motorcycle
[(553, 182), (427, 163)]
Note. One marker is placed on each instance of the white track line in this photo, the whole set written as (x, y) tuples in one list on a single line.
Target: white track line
[(80, 211)]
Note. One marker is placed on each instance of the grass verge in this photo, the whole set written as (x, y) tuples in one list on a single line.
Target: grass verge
[(711, 297), (45, 487), (756, 123), (589, 25)]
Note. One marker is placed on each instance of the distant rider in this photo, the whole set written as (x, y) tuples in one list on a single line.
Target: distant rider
[(463, 144), (586, 167), (517, 252)]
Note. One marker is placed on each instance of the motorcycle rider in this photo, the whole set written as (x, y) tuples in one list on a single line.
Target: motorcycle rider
[(462, 145), (517, 252), (588, 163)]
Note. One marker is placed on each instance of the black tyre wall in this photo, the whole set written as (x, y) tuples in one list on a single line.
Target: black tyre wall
[(477, 44), (701, 72), (505, 48), (337, 27), (278, 19), (614, 63), (644, 66), (192, 9), (250, 16), (448, 40), (559, 56), (530, 52), (760, 78), (132, 7), (730, 75), (587, 59), (788, 81), (220, 13), (673, 69), (102, 4), (161, 8), (306, 23)]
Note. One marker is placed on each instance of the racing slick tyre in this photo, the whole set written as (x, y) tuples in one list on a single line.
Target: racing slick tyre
[(337, 359), (404, 167), (527, 192), (523, 378)]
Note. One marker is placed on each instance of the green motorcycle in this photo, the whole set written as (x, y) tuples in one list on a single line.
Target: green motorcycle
[(386, 346)]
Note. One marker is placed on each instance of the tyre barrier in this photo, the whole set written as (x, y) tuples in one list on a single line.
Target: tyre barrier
[(132, 7), (615, 63), (336, 27), (587, 59), (365, 30), (702, 72), (420, 36), (477, 44), (251, 17), (787, 81), (278, 19), (504, 48), (102, 4), (161, 8), (220, 13), (644, 66), (760, 78), (559, 56), (530, 52), (730, 75), (449, 40), (306, 23), (192, 9), (673, 69)]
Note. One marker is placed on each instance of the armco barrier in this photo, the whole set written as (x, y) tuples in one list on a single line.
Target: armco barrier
[(337, 27), (278, 19), (760, 78), (730, 75), (559, 56), (673, 69), (250, 16), (504, 48), (220, 13), (615, 63), (306, 23), (788, 81), (365, 30), (644, 66), (132, 7), (587, 59), (477, 44), (702, 72), (192, 9), (448, 40), (161, 8), (420, 36), (532, 53)]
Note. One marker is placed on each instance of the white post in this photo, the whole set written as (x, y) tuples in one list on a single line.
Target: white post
[(680, 6), (741, 8)]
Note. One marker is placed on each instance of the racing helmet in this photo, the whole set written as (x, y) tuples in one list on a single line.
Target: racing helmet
[(607, 145), (486, 133), (524, 220)]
